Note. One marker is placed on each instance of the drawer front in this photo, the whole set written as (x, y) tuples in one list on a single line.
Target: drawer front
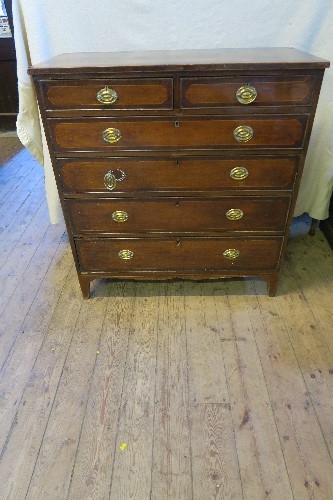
[(165, 134), (178, 215), (125, 175), (109, 94), (248, 90), (182, 255)]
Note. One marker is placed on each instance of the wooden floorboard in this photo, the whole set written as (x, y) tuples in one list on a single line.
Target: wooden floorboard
[(262, 468), (39, 393), (158, 391), (56, 457), (131, 473), (97, 447), (296, 421), (171, 466), (17, 255)]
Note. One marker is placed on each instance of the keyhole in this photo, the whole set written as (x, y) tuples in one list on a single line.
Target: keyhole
[(177, 123), (178, 163), (178, 243)]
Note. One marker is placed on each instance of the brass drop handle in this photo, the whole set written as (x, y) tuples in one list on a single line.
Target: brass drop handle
[(125, 254), (246, 94), (112, 177), (111, 135), (234, 214), (107, 95), (120, 216), (243, 133), (231, 253), (239, 173)]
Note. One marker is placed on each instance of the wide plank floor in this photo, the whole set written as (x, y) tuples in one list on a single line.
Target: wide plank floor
[(156, 391)]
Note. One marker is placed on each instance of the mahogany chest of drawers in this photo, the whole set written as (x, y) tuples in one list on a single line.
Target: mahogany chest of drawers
[(178, 164)]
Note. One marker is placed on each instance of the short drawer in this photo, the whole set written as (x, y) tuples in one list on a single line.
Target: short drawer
[(128, 175), (178, 215), (248, 90), (182, 255), (130, 134), (146, 93)]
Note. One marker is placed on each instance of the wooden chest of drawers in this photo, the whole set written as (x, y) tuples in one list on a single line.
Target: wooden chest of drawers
[(178, 164)]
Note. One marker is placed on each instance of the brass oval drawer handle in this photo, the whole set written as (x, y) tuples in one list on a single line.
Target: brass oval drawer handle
[(111, 135), (239, 173), (234, 214), (246, 94), (243, 133), (112, 177), (231, 253), (107, 95), (125, 254), (120, 216)]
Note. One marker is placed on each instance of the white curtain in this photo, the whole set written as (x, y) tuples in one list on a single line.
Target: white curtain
[(45, 28)]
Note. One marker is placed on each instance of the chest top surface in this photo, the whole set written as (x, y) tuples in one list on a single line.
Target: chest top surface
[(178, 60)]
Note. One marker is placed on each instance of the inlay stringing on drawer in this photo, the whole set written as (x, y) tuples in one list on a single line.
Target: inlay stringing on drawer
[(128, 175), (113, 94), (254, 90), (101, 134)]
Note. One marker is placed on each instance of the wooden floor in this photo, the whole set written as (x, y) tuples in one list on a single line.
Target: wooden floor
[(153, 391)]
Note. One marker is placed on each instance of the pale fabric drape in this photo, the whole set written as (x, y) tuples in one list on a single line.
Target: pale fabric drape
[(45, 28)]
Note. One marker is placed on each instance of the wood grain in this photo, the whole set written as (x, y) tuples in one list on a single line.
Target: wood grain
[(207, 378), (97, 448), (171, 468), (131, 475), (154, 176), (226, 58), (54, 465), (215, 463), (295, 416), (261, 462), (276, 131), (131, 94), (179, 215), (37, 399), (199, 92)]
